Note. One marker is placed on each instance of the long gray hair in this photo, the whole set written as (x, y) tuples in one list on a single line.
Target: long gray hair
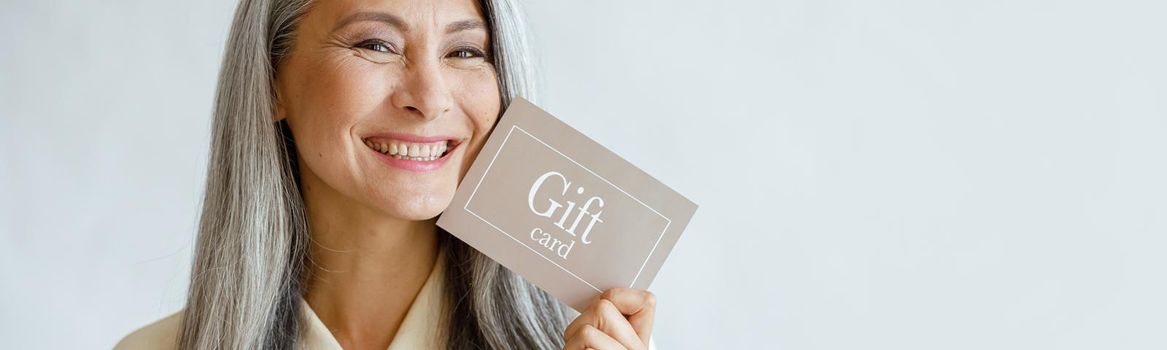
[(249, 261)]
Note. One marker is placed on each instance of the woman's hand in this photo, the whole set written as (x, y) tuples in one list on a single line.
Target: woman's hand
[(620, 318)]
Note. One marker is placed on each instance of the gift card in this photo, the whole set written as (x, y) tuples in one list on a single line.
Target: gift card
[(563, 211)]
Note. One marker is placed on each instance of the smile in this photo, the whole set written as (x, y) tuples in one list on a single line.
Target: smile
[(416, 151), (413, 152)]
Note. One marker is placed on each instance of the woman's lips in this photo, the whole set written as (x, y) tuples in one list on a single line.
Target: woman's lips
[(413, 152)]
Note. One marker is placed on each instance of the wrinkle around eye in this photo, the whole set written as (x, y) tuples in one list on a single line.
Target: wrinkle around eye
[(362, 48), (375, 56)]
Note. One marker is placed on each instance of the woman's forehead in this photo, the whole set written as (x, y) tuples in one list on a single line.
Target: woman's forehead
[(406, 15)]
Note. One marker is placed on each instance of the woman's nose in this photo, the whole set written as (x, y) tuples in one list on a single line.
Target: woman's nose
[(423, 92)]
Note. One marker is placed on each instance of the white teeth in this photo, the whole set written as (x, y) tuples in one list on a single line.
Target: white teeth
[(411, 151)]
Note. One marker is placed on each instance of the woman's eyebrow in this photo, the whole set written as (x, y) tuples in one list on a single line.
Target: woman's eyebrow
[(376, 16), (468, 24)]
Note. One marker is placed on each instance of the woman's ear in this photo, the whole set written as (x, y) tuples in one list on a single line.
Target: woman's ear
[(279, 112)]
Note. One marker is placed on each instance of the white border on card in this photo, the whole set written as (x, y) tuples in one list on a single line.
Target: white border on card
[(466, 207)]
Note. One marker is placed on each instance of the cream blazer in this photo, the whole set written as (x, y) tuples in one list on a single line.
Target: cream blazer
[(419, 329)]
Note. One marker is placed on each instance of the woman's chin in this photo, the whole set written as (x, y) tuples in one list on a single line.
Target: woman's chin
[(422, 216), (416, 210), (415, 203)]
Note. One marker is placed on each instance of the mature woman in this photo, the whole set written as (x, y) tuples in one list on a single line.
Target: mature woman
[(341, 129)]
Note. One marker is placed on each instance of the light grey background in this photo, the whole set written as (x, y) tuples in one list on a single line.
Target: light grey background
[(871, 174)]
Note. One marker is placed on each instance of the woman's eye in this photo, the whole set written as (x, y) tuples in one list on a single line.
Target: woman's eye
[(465, 53), (375, 45)]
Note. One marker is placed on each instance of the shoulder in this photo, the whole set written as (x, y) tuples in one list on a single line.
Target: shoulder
[(162, 334)]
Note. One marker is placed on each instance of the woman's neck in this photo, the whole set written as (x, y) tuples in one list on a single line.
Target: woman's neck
[(365, 269)]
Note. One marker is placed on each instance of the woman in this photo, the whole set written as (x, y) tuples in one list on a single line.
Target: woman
[(341, 131)]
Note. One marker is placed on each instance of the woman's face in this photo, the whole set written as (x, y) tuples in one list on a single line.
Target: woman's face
[(389, 100)]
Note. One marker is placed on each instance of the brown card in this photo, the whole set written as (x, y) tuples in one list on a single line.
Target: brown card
[(564, 212)]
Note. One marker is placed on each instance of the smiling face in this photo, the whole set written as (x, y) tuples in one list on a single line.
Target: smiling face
[(388, 101)]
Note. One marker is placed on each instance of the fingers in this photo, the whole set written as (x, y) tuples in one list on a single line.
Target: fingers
[(623, 314), (604, 316), (589, 337), (638, 304)]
